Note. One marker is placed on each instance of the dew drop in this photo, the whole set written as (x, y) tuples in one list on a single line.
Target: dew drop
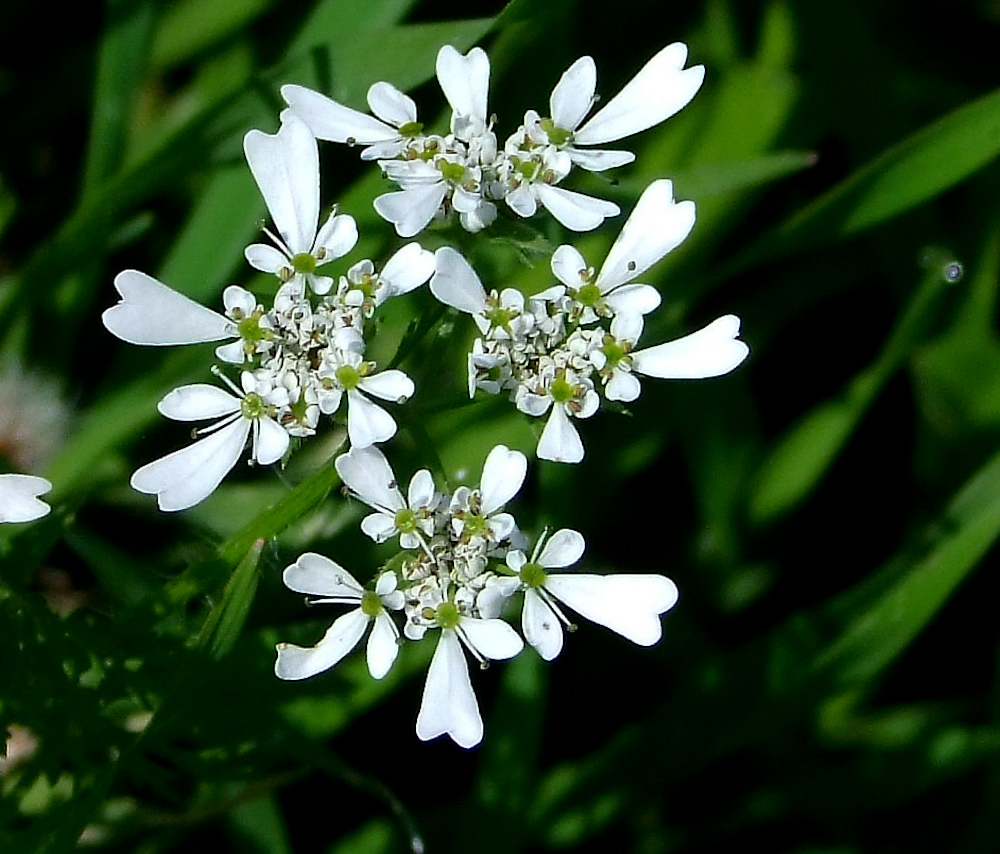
[(953, 272)]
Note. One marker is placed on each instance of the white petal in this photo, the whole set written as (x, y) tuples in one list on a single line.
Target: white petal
[(367, 422), (627, 604), (421, 491), (574, 94), (633, 299), (296, 662), (455, 283), (598, 161), (151, 313), (560, 442), (564, 548), (317, 575), (623, 386), (383, 645), (18, 497), (332, 121), (285, 166), (391, 105), (522, 201), (503, 475), (198, 402), (658, 91), (185, 477), (337, 236), (492, 639), (449, 704), (407, 269), (465, 81), (388, 385), (270, 441), (569, 267), (657, 225), (709, 352), (541, 626), (378, 526), (366, 472), (575, 210), (411, 210), (265, 258)]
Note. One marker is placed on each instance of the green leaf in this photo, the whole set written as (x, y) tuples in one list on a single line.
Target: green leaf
[(225, 621)]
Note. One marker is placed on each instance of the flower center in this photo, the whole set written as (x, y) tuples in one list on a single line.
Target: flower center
[(447, 615), (562, 390), (613, 352), (589, 295), (405, 521), (453, 172), (252, 406), (304, 262), (371, 603), (533, 575), (410, 128), (473, 525), (348, 377), (557, 135)]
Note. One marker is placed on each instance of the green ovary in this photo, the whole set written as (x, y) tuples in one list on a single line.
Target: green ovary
[(410, 129), (348, 377), (371, 604), (614, 353), (589, 295), (447, 615), (533, 575), (304, 262), (405, 521), (253, 406), (561, 390), (452, 172), (556, 135)]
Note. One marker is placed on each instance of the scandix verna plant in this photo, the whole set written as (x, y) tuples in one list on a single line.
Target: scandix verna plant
[(284, 365)]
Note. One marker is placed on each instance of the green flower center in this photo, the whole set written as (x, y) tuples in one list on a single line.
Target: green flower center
[(561, 390), (556, 135), (371, 603), (405, 521), (410, 128), (589, 295), (533, 575), (501, 317), (304, 262), (613, 352), (253, 406), (453, 172), (447, 615), (347, 377)]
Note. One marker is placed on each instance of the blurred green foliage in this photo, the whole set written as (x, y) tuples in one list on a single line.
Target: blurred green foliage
[(828, 683)]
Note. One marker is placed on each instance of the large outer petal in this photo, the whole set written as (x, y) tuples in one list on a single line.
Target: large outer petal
[(710, 352), (153, 314), (465, 81), (332, 121), (18, 497), (317, 575), (574, 94), (297, 662), (366, 472), (560, 441), (449, 704), (659, 90), (285, 166), (185, 477), (575, 210), (383, 646), (367, 422), (455, 283), (657, 225), (627, 604), (542, 628), (198, 402), (503, 475)]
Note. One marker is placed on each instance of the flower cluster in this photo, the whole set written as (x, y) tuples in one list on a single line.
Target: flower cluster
[(466, 171), (299, 359), (462, 557), (554, 351)]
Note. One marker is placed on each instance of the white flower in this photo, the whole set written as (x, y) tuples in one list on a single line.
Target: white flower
[(656, 226), (661, 88), (449, 705), (188, 476), (19, 497), (569, 395), (385, 136), (153, 314), (627, 604), (465, 81), (366, 472), (319, 576), (285, 166), (479, 513)]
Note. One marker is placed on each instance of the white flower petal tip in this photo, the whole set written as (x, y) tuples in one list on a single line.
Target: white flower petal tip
[(449, 705), (630, 605), (19, 497), (153, 314), (296, 662), (503, 475), (710, 352)]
